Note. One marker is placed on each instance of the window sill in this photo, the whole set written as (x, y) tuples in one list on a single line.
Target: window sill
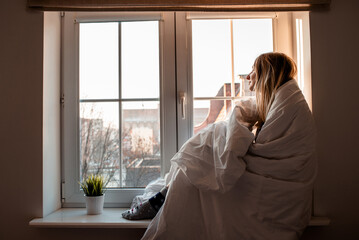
[(78, 218), (110, 218)]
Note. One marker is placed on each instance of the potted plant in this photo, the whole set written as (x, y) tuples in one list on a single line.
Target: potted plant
[(94, 189)]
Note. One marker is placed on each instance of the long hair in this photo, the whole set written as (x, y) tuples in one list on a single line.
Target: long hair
[(272, 71)]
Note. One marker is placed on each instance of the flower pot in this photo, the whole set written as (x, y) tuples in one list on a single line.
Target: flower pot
[(94, 204)]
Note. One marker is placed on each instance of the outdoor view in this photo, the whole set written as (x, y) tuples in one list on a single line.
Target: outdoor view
[(223, 52), (120, 86), (119, 102)]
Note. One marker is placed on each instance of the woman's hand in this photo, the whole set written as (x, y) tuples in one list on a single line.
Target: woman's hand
[(246, 112)]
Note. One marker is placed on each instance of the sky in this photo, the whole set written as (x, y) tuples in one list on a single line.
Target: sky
[(212, 61)]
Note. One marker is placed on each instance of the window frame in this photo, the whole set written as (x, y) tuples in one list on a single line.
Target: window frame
[(72, 195)]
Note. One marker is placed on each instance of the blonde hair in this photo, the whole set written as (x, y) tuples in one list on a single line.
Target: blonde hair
[(272, 71)]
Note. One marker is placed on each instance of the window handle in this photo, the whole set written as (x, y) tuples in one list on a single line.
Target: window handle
[(183, 100)]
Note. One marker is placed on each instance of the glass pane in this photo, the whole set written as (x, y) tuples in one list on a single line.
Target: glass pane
[(212, 63), (140, 59), (206, 112), (98, 58), (251, 37), (99, 141), (211, 56), (141, 153)]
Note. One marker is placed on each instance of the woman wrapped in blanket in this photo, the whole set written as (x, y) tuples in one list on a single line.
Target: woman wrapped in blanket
[(227, 183)]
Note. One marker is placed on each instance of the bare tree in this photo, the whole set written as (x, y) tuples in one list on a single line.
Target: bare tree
[(99, 148)]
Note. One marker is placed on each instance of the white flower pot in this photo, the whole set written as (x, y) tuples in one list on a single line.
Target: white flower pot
[(94, 205)]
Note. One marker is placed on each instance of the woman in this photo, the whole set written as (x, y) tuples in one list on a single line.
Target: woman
[(226, 183)]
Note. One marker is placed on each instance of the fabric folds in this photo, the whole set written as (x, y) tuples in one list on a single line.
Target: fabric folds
[(223, 185)]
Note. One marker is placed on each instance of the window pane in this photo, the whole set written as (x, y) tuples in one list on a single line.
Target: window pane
[(140, 59), (213, 67), (206, 112), (141, 156), (251, 37), (98, 58), (211, 56), (99, 141)]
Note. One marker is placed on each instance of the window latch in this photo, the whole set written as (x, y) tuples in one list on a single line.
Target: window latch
[(183, 100)]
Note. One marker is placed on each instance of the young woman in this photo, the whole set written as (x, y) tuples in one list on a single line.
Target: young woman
[(227, 183)]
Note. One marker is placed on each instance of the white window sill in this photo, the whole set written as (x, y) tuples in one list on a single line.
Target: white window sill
[(78, 218), (110, 218)]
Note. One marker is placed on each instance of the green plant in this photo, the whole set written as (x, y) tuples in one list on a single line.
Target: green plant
[(94, 185)]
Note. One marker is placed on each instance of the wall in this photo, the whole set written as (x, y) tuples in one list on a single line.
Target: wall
[(335, 50), (21, 118), (51, 156), (334, 37)]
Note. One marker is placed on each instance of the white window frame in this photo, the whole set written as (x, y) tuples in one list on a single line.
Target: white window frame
[(302, 56), (72, 196)]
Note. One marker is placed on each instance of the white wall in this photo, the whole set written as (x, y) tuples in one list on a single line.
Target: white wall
[(335, 39), (51, 114)]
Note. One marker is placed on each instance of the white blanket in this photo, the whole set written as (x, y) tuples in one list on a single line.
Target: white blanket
[(225, 186)]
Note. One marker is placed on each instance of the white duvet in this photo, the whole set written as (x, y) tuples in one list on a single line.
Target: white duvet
[(223, 185)]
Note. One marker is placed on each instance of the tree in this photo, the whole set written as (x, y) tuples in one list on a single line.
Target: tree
[(99, 148), (101, 152)]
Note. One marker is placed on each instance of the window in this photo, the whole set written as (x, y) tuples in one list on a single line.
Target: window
[(137, 85), (116, 114), (119, 102)]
